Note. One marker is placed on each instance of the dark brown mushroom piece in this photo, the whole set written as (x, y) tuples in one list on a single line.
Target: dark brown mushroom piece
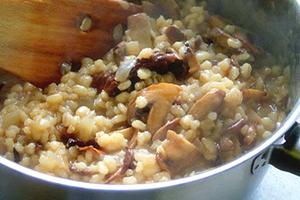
[(106, 82), (160, 62), (210, 102), (190, 58), (161, 97), (163, 63), (17, 156), (177, 155), (139, 29), (71, 140), (174, 34), (127, 163), (161, 133), (1, 85)]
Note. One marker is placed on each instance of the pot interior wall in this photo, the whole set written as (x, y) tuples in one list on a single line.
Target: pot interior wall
[(274, 25)]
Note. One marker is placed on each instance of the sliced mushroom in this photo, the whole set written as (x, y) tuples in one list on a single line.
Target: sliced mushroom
[(127, 162), (235, 128), (248, 45), (191, 59), (216, 21), (139, 29), (161, 133), (161, 97), (234, 131), (177, 154), (254, 94), (174, 34), (210, 102), (220, 37)]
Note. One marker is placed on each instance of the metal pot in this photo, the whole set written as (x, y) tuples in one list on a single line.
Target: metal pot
[(276, 24)]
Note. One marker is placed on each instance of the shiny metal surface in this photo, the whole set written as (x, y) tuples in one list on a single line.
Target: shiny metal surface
[(278, 32), (233, 184)]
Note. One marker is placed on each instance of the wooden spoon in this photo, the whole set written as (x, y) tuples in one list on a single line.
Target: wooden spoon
[(37, 36)]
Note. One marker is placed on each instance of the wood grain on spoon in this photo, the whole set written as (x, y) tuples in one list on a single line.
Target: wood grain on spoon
[(36, 36)]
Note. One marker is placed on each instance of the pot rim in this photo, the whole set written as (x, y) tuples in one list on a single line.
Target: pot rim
[(288, 122)]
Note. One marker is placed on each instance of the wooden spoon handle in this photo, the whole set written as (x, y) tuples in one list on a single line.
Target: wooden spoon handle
[(36, 36)]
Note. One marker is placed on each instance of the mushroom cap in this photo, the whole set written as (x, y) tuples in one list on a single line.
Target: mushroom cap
[(161, 97)]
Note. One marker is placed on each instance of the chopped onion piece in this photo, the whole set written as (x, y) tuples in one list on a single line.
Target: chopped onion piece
[(125, 68)]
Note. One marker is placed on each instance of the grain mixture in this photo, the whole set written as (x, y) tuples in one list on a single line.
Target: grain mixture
[(181, 92)]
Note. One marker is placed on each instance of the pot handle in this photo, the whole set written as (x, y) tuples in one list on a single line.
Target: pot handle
[(287, 156)]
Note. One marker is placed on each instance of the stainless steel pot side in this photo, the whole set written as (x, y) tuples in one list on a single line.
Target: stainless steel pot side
[(277, 24)]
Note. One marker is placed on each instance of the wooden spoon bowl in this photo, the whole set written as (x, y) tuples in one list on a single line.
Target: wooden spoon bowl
[(37, 36)]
